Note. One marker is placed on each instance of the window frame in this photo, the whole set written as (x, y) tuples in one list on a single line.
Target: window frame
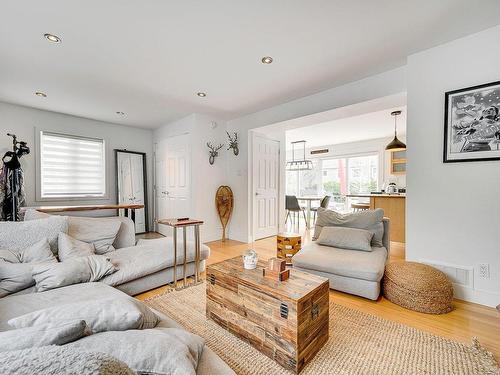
[(346, 156), (38, 172)]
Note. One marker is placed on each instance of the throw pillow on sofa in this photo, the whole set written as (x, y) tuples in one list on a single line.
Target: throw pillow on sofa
[(346, 238), (101, 232), (16, 266), (72, 271), (70, 247), (19, 235), (42, 335), (38, 252), (371, 220), (106, 314), (14, 277)]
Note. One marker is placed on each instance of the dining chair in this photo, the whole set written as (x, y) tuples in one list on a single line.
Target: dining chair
[(325, 202), (292, 205)]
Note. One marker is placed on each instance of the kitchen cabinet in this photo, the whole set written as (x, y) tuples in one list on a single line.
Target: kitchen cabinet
[(394, 206), (398, 162)]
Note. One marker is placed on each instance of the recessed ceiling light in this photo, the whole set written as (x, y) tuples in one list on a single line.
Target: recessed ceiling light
[(267, 60), (120, 113), (52, 38), (201, 94), (41, 94)]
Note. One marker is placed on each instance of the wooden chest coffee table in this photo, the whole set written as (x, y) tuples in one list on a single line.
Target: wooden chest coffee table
[(287, 321)]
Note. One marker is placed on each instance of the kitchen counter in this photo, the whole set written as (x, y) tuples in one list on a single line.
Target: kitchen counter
[(394, 209)]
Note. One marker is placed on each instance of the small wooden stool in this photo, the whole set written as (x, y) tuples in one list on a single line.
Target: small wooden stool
[(360, 206), (288, 244)]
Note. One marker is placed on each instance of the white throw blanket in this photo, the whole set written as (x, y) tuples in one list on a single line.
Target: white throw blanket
[(60, 360)]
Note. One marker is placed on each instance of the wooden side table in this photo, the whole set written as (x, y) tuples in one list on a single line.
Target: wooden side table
[(184, 224), (288, 244)]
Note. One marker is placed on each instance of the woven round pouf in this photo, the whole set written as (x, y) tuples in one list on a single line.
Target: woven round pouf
[(418, 287)]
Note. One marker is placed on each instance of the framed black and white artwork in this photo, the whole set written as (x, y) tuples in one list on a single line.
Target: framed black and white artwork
[(472, 124)]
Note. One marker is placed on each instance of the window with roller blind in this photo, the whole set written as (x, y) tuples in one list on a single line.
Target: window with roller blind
[(71, 167)]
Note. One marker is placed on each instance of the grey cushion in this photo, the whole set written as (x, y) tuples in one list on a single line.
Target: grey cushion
[(148, 257), (370, 220), (20, 235), (346, 238), (14, 277), (70, 247), (124, 238), (20, 304), (60, 360), (9, 256), (157, 351), (38, 252), (100, 232), (16, 266), (126, 235), (350, 263), (72, 271), (105, 314), (41, 335), (32, 214)]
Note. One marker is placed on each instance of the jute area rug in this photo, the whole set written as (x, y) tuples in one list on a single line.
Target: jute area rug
[(359, 343)]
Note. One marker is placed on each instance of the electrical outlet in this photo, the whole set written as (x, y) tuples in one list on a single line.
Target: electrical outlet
[(484, 270)]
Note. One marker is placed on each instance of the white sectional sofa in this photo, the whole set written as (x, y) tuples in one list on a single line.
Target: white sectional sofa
[(141, 267)]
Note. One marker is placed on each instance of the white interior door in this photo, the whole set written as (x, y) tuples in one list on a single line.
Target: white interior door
[(265, 169), (173, 178), (131, 185)]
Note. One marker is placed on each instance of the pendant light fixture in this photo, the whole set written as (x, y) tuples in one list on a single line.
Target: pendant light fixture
[(299, 164), (396, 144)]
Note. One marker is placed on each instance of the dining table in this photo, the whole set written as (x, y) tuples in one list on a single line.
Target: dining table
[(309, 199)]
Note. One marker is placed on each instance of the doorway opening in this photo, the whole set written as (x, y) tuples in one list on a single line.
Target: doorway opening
[(349, 165)]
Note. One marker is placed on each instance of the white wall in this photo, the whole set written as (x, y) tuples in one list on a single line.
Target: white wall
[(205, 178), (381, 85), (453, 210), (25, 122)]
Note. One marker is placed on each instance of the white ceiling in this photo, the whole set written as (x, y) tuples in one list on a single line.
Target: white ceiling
[(150, 58), (373, 125)]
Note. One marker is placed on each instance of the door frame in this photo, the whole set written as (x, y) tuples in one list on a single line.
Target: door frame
[(251, 187), (144, 178), (155, 171)]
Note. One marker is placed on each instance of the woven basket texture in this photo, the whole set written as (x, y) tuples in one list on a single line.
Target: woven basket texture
[(418, 287)]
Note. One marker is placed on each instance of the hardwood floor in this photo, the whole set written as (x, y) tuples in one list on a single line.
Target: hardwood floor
[(466, 321)]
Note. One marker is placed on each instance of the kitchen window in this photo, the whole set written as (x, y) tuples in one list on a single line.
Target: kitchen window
[(71, 167), (357, 174)]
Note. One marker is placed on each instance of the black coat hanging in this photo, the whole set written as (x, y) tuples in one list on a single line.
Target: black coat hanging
[(12, 195)]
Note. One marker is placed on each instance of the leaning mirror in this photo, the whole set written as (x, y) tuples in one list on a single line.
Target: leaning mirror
[(131, 184)]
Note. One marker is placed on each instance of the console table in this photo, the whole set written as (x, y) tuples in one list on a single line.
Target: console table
[(129, 208)]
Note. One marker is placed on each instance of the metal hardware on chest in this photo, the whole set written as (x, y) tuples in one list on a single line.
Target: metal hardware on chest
[(314, 311), (211, 278), (284, 310)]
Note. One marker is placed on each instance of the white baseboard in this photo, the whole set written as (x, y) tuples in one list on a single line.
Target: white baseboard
[(464, 287), (479, 296)]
